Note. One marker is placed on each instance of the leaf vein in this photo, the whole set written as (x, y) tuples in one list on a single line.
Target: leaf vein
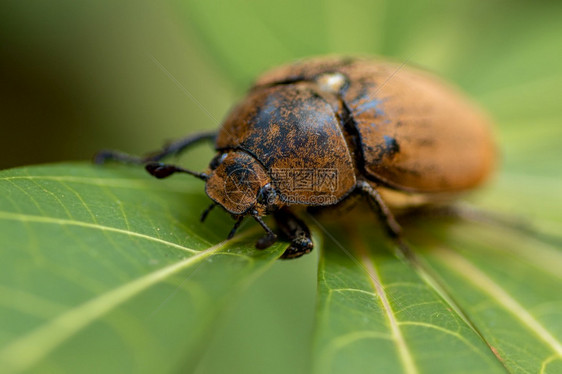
[(397, 337), (29, 349), (50, 220), (488, 286)]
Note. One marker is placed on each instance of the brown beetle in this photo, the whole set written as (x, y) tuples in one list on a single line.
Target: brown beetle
[(317, 131)]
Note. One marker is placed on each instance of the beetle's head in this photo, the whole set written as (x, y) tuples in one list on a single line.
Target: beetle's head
[(241, 185)]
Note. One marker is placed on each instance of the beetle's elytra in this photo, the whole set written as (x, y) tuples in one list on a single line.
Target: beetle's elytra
[(317, 131)]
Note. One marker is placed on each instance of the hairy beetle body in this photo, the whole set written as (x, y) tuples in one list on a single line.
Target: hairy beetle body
[(317, 131)]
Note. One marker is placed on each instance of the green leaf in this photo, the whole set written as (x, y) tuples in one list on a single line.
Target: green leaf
[(376, 314), (97, 270), (482, 299), (504, 281), (110, 270)]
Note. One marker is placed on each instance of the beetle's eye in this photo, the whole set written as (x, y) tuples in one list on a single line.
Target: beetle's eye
[(265, 194), (217, 160)]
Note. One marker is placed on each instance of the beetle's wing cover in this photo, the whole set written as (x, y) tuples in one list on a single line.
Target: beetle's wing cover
[(296, 135), (416, 132)]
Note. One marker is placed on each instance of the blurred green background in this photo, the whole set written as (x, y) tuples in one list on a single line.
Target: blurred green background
[(78, 76)]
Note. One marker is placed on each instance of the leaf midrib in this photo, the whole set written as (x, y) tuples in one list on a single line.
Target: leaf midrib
[(132, 183), (31, 348), (376, 283), (59, 221)]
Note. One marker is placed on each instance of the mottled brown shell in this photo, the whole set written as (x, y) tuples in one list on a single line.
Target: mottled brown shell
[(415, 132), (296, 135)]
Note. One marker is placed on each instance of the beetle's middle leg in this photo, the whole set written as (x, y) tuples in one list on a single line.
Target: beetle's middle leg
[(296, 231), (393, 229)]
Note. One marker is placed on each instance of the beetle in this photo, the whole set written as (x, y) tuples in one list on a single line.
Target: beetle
[(315, 132)]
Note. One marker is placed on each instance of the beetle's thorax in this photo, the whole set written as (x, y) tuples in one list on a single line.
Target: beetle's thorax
[(295, 133)]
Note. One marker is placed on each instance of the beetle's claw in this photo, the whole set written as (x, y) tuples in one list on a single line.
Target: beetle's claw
[(299, 247), (266, 241), (160, 170)]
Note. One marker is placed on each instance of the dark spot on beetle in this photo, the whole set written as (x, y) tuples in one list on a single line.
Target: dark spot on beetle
[(391, 146), (385, 149)]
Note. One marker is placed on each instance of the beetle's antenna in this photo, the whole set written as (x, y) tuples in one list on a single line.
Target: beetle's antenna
[(236, 225), (160, 170), (206, 211), (172, 149), (177, 147), (105, 155), (267, 240)]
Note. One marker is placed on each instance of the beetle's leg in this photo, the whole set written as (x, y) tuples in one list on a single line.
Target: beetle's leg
[(297, 231), (392, 227), (206, 211), (160, 170), (236, 225), (171, 149), (267, 240)]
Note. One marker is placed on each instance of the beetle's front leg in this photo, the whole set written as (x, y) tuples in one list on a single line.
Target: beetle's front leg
[(297, 232), (269, 239)]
